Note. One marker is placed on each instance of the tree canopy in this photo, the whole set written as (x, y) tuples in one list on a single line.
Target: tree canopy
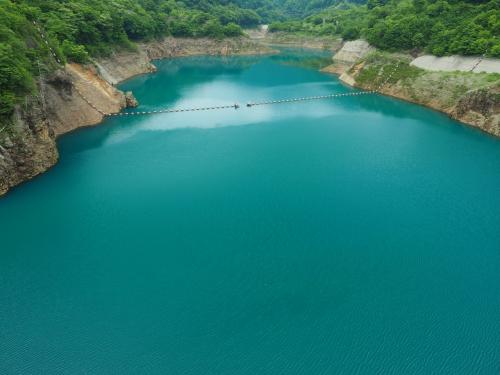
[(441, 27)]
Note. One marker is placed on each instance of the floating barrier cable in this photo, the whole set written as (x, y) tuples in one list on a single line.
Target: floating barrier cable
[(173, 110), (331, 96), (44, 38), (232, 106), (291, 100)]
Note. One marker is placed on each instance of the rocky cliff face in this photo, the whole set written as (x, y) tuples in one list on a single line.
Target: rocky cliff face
[(123, 65), (352, 51), (176, 47), (29, 148), (68, 106), (480, 108)]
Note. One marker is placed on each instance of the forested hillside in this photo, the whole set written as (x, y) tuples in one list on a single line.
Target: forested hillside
[(303, 8), (78, 29), (440, 27), (281, 10)]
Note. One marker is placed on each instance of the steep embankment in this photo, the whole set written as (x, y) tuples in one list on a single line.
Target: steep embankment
[(28, 147), (475, 64), (286, 39), (77, 96), (472, 98), (125, 64), (303, 41)]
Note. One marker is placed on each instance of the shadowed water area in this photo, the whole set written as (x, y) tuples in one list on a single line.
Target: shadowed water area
[(358, 235)]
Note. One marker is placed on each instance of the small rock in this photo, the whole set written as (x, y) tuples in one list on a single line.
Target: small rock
[(130, 100)]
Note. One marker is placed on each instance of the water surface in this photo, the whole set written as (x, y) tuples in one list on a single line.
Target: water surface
[(352, 236)]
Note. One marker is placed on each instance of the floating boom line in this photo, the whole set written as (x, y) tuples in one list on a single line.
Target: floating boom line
[(213, 108)]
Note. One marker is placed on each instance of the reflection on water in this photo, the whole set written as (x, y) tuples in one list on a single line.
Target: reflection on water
[(213, 81), (304, 58)]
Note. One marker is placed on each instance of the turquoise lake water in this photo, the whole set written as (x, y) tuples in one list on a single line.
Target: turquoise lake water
[(358, 235)]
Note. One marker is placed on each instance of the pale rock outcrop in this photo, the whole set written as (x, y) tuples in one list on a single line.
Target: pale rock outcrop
[(71, 96), (123, 65), (474, 64), (177, 47), (352, 51)]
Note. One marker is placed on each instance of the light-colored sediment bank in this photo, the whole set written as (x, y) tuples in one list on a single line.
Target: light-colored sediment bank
[(476, 64), (295, 40), (471, 97), (76, 96)]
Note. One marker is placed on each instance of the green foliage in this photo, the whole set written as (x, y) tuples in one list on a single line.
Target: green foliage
[(75, 52), (289, 26), (214, 29), (16, 77), (232, 30), (382, 68), (282, 10), (441, 27), (350, 33)]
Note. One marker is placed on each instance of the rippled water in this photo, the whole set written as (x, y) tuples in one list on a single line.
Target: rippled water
[(351, 236)]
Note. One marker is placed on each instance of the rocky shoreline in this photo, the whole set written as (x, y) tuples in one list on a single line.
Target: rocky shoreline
[(301, 41), (469, 97), (28, 147)]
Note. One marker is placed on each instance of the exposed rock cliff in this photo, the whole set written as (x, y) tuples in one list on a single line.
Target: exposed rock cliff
[(352, 51), (28, 147), (67, 105), (480, 108), (175, 47), (123, 65)]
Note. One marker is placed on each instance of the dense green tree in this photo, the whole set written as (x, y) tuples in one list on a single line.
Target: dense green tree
[(75, 52), (440, 27)]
